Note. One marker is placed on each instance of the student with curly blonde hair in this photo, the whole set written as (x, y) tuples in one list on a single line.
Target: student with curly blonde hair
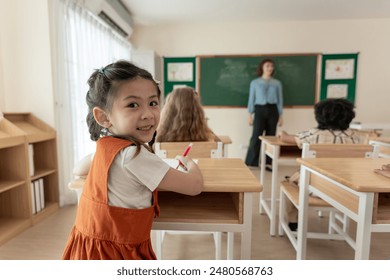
[(183, 118)]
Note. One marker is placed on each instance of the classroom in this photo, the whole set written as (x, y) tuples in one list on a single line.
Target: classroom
[(30, 77)]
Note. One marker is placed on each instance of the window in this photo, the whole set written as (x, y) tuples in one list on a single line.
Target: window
[(83, 43)]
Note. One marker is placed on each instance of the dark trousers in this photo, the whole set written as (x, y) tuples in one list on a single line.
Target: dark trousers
[(265, 122)]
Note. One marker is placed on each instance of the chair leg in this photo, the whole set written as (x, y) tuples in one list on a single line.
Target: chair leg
[(230, 245), (346, 224), (282, 209), (159, 240), (332, 221), (217, 240)]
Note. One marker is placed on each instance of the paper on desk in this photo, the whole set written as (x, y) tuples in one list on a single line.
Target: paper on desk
[(172, 162), (385, 170)]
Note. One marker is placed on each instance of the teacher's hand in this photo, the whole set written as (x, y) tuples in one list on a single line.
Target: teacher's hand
[(250, 120), (280, 121)]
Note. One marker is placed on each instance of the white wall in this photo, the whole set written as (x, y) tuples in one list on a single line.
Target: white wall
[(368, 37), (25, 59)]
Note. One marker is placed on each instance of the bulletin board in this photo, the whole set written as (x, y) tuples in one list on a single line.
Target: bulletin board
[(338, 76), (179, 72)]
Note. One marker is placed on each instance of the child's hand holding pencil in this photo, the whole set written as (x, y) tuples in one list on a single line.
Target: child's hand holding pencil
[(187, 150)]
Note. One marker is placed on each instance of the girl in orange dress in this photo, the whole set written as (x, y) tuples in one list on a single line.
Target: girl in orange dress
[(119, 200)]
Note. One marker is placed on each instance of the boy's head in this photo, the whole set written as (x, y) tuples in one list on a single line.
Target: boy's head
[(334, 114)]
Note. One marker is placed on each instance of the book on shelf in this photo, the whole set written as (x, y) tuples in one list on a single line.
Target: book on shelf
[(34, 207), (38, 195), (31, 159), (41, 193)]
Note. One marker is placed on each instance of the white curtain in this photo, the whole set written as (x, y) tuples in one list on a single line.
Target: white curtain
[(83, 43)]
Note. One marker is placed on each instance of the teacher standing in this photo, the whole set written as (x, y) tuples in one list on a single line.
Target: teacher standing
[(266, 104)]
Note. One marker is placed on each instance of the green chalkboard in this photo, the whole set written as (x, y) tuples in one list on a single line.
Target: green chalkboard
[(224, 80)]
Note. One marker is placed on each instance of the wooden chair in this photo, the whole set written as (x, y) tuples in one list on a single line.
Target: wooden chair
[(291, 192), (77, 185), (383, 146), (200, 149)]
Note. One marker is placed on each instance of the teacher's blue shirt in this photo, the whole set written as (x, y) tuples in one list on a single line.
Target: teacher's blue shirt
[(263, 92)]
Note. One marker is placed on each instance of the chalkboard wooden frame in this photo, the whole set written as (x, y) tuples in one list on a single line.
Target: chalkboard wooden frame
[(215, 72)]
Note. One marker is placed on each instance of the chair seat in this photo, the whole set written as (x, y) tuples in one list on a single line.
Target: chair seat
[(292, 192)]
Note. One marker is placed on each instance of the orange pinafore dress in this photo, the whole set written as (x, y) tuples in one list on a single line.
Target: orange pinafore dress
[(104, 232)]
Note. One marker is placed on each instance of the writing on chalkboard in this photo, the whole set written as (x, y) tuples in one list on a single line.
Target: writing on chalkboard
[(225, 80)]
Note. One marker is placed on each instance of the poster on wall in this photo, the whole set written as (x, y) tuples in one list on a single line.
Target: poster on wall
[(180, 72), (337, 91), (339, 69)]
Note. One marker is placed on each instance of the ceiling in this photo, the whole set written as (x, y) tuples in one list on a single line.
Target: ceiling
[(157, 12)]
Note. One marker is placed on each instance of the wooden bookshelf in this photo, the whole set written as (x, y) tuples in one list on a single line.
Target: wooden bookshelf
[(15, 205), (43, 156)]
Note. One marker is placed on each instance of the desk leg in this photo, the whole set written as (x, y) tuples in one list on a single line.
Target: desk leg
[(246, 235), (274, 187), (303, 213), (363, 231), (230, 244), (262, 172)]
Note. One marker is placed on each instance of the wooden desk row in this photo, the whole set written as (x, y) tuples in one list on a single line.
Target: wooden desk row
[(350, 185)]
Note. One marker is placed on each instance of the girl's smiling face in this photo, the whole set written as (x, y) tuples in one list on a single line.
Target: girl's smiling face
[(135, 110)]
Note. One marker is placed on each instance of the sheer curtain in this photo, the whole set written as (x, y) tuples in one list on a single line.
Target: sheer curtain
[(83, 43)]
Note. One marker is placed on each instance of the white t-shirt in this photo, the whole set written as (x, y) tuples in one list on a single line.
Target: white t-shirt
[(131, 180)]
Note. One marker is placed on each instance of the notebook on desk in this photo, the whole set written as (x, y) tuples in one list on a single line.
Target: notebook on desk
[(172, 162)]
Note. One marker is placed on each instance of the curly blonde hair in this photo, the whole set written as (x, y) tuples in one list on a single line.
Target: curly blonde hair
[(183, 118)]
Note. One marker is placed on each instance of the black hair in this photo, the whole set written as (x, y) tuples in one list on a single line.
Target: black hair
[(334, 113), (103, 85), (260, 71)]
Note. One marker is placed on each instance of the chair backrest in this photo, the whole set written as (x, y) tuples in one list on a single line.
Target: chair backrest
[(200, 149), (339, 150), (384, 147)]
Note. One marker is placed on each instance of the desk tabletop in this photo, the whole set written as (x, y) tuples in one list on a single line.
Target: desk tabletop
[(380, 139), (370, 126), (275, 140), (228, 175), (355, 173), (219, 175), (225, 139)]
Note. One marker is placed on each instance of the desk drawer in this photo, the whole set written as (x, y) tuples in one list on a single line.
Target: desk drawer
[(208, 207)]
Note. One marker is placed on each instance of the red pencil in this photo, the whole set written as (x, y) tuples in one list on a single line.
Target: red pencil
[(185, 154)]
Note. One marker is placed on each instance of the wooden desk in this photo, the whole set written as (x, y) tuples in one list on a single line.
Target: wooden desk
[(276, 149), (224, 205), (351, 186)]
